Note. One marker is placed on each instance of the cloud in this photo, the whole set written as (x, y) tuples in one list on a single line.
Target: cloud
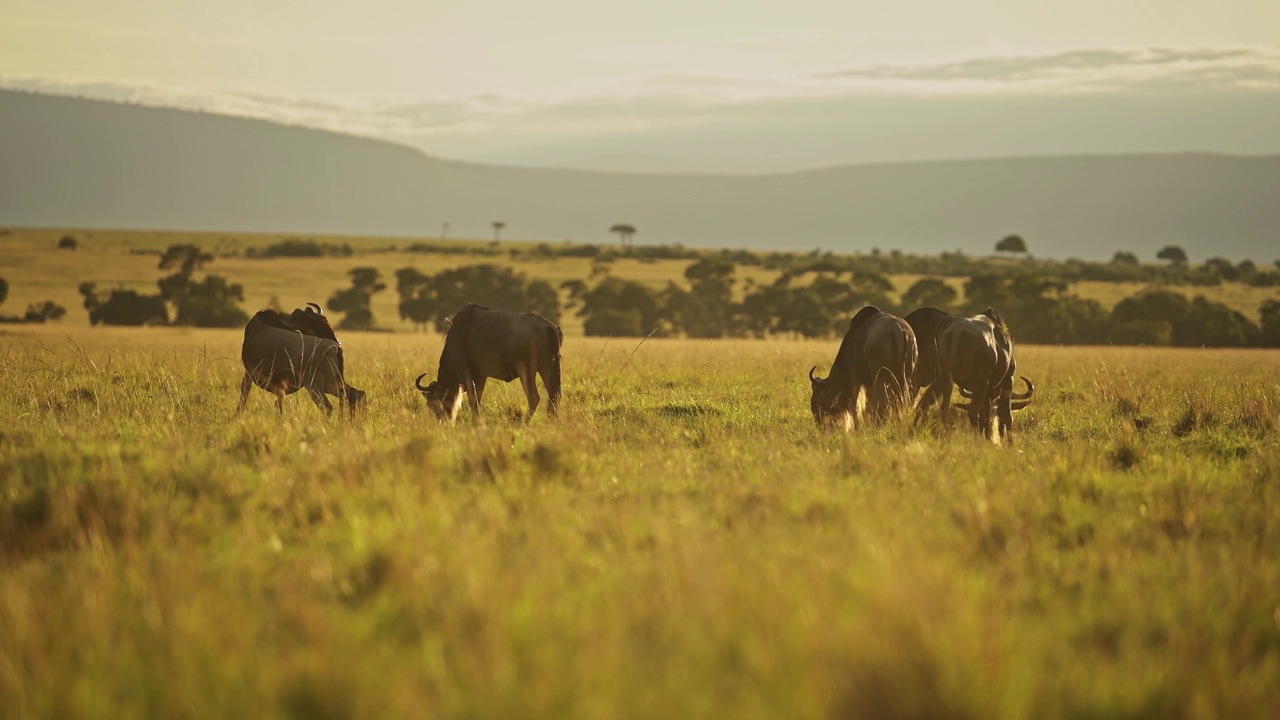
[(1156, 68), (626, 112)]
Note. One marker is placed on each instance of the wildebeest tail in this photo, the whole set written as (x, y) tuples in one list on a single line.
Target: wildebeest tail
[(910, 359), (555, 340)]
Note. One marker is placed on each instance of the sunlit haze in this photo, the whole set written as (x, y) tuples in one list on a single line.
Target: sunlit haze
[(711, 86)]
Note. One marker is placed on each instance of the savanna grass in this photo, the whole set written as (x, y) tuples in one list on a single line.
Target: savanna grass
[(681, 542)]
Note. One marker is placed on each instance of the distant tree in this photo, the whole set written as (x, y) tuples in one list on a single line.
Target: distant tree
[(1011, 244), (4, 290), (706, 310), (444, 230), (497, 230), (184, 260), (426, 298), (355, 301), (1172, 253), (1266, 278), (68, 243), (124, 307), (211, 302), (417, 300), (625, 232), (1269, 313), (576, 289), (1215, 324), (542, 299), (929, 292), (44, 312), (293, 247), (1142, 332), (621, 308), (1222, 268), (1124, 258)]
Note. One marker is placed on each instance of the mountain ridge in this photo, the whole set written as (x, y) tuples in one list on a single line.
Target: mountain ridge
[(89, 163)]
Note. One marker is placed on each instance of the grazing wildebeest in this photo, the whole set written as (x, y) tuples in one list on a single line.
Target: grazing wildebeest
[(975, 353), (282, 353), (878, 354), (483, 343)]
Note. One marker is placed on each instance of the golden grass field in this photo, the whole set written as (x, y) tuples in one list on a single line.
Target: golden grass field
[(681, 542)]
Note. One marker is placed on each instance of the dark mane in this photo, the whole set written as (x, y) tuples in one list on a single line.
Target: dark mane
[(306, 322), (309, 322), (1002, 330), (454, 357), (273, 318)]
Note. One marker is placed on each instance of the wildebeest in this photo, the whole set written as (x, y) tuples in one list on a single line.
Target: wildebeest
[(878, 354), (482, 344), (282, 353), (975, 353)]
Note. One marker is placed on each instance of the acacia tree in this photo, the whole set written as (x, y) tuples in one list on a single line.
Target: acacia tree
[(211, 302), (1174, 254), (497, 230), (1012, 244), (625, 231), (355, 300)]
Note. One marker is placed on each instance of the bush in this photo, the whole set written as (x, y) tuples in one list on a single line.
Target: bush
[(46, 311), (1142, 332), (615, 323)]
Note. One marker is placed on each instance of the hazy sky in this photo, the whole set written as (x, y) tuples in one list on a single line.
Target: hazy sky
[(711, 85)]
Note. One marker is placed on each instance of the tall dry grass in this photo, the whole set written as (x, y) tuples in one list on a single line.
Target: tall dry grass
[(681, 542)]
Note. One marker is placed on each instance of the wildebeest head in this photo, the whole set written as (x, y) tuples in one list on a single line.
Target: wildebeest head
[(444, 400), (825, 401)]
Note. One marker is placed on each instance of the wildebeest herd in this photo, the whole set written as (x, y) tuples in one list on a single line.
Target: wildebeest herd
[(883, 363)]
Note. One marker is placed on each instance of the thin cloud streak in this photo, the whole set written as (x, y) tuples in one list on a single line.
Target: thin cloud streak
[(489, 125)]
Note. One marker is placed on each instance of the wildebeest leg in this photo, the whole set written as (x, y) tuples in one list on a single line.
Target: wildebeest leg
[(245, 385), (1004, 411), (473, 397), (320, 400), (551, 381), (944, 386), (528, 380), (878, 396), (280, 393), (980, 411), (479, 389)]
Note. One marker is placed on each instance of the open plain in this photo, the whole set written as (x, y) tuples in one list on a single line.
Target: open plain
[(680, 542)]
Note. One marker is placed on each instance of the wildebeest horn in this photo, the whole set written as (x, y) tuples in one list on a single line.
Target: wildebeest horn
[(1031, 390), (811, 377), (318, 311), (418, 383), (966, 393)]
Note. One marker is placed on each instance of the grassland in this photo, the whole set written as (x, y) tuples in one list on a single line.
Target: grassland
[(37, 271), (681, 542)]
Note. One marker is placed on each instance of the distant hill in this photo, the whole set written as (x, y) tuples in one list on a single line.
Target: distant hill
[(68, 162)]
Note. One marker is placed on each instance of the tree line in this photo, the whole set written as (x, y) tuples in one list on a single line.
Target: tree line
[(1040, 309), (1124, 266), (813, 301)]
